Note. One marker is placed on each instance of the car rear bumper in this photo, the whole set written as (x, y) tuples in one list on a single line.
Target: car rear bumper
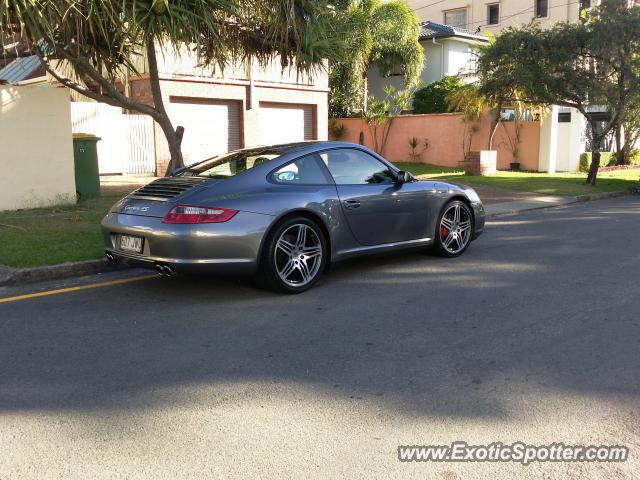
[(229, 247)]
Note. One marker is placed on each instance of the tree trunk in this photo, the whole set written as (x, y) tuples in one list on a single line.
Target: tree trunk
[(621, 158), (596, 141), (173, 136), (495, 121), (174, 141), (365, 94)]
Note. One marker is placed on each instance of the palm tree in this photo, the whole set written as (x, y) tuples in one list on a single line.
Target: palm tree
[(382, 35), (91, 46)]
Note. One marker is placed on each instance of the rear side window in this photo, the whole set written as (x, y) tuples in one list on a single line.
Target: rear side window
[(355, 167), (304, 171)]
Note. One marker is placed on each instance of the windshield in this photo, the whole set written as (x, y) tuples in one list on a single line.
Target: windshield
[(231, 164)]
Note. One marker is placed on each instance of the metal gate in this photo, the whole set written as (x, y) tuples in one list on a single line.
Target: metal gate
[(127, 141)]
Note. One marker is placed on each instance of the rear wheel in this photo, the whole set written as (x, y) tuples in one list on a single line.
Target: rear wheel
[(294, 256), (454, 229)]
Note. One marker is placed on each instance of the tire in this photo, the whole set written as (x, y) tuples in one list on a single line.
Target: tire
[(453, 234), (292, 262)]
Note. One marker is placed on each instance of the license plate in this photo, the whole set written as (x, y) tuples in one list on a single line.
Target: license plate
[(131, 244)]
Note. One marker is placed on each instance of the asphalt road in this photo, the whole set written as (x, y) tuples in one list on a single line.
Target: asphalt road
[(533, 335)]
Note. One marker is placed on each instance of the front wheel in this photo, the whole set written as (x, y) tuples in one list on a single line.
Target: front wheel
[(454, 229), (294, 256)]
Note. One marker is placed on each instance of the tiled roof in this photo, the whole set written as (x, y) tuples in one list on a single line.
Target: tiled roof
[(429, 30), (21, 69)]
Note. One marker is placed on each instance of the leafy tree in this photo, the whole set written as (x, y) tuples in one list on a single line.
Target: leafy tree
[(383, 35), (433, 97), (91, 46), (470, 100), (582, 66)]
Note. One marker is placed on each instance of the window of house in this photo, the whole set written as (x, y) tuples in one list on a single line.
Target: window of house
[(493, 14), (564, 117), (456, 18), (542, 8)]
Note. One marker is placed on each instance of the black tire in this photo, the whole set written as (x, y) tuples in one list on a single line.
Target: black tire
[(274, 259), (445, 241)]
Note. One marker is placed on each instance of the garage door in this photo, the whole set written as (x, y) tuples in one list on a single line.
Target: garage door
[(285, 122), (211, 127)]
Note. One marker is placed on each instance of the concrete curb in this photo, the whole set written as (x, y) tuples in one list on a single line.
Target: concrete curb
[(542, 205), (17, 276)]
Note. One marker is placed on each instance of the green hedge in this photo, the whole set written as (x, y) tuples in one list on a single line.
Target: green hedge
[(433, 97), (607, 159)]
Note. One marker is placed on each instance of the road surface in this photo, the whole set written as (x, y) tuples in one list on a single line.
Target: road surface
[(533, 336)]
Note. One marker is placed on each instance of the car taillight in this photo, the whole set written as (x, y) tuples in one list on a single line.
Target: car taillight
[(195, 214)]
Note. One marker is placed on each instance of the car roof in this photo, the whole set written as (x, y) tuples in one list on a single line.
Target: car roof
[(296, 146)]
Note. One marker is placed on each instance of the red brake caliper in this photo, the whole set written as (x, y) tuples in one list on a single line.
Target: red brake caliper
[(443, 232)]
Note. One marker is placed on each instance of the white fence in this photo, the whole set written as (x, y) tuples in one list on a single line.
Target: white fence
[(126, 145)]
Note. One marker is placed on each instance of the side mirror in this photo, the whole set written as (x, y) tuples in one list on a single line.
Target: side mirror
[(403, 177)]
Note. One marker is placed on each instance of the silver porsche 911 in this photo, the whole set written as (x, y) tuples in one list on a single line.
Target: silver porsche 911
[(286, 212)]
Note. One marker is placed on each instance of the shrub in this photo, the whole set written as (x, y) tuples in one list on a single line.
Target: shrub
[(336, 130), (433, 97), (634, 157), (607, 159)]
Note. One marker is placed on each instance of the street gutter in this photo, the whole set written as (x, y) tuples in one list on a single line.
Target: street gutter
[(17, 276)]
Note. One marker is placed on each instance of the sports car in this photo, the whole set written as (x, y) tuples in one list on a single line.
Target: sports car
[(286, 212)]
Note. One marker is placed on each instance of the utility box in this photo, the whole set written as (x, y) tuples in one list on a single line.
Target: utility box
[(85, 157)]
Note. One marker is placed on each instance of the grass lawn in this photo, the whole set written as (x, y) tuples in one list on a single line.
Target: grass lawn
[(562, 184), (47, 236)]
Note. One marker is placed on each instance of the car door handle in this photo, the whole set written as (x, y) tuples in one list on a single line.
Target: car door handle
[(351, 203)]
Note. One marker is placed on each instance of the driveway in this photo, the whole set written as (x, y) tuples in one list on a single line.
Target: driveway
[(533, 335)]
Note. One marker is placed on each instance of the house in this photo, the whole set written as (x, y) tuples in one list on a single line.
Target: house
[(494, 15), (563, 136), (247, 104), (448, 50)]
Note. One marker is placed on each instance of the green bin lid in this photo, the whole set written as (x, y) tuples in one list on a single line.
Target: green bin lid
[(85, 136)]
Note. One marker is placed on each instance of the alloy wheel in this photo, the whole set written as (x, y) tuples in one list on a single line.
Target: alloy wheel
[(455, 228), (298, 255)]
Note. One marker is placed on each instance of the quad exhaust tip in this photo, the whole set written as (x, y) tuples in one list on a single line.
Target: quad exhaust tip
[(165, 270)]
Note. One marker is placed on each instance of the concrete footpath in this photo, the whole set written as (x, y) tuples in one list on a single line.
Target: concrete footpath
[(546, 201)]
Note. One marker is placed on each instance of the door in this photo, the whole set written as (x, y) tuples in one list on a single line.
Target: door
[(211, 127), (284, 123), (378, 210)]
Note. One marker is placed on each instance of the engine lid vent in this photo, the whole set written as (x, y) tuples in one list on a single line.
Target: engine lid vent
[(166, 188)]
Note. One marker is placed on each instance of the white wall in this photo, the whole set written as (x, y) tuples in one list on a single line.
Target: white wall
[(570, 141), (36, 149), (434, 66), (548, 154)]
